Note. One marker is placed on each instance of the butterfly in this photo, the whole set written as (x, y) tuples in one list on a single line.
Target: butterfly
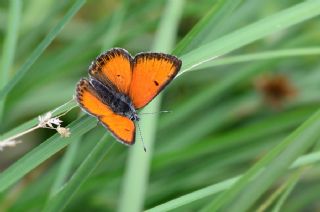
[(119, 85)]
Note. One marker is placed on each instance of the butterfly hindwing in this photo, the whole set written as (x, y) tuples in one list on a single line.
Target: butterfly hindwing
[(151, 73), (120, 126), (113, 67)]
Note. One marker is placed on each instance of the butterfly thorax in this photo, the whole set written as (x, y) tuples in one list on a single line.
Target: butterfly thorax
[(119, 102)]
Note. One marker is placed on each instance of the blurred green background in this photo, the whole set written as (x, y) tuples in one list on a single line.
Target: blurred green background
[(250, 78)]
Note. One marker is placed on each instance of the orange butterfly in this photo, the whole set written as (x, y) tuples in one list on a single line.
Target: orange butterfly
[(120, 84)]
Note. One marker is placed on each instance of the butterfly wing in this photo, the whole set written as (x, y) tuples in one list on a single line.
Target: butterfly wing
[(113, 68), (121, 127), (151, 73)]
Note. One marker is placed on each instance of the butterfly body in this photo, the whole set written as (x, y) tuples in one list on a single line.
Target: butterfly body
[(120, 84), (119, 102)]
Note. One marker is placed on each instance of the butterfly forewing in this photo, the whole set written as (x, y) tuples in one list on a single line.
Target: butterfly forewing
[(113, 67), (151, 73)]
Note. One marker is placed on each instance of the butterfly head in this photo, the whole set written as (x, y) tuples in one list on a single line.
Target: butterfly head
[(131, 113), (134, 116)]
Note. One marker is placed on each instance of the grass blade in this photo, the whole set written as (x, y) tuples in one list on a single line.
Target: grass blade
[(271, 199), (9, 46), (279, 21), (210, 94), (224, 185), (291, 184), (288, 150), (42, 152), (267, 55), (95, 157), (115, 26), (41, 47), (196, 195), (133, 194), (220, 10), (65, 166), (242, 136), (33, 122), (55, 203), (213, 93)]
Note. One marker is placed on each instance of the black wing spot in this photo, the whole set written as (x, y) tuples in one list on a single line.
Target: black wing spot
[(118, 75), (156, 83)]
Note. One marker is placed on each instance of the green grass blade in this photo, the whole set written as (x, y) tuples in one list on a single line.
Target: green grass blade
[(239, 38), (36, 193), (303, 199), (220, 10), (42, 152), (271, 199), (33, 122), (10, 41), (32, 36), (207, 123), (241, 136), (306, 160), (291, 184), (133, 194), (111, 36), (9, 46), (41, 47), (138, 162), (65, 166), (267, 55), (300, 144), (196, 195), (210, 94), (224, 185), (294, 145), (95, 157), (115, 26), (213, 92)]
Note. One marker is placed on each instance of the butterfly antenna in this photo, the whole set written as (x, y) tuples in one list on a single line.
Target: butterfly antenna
[(163, 111), (144, 146)]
